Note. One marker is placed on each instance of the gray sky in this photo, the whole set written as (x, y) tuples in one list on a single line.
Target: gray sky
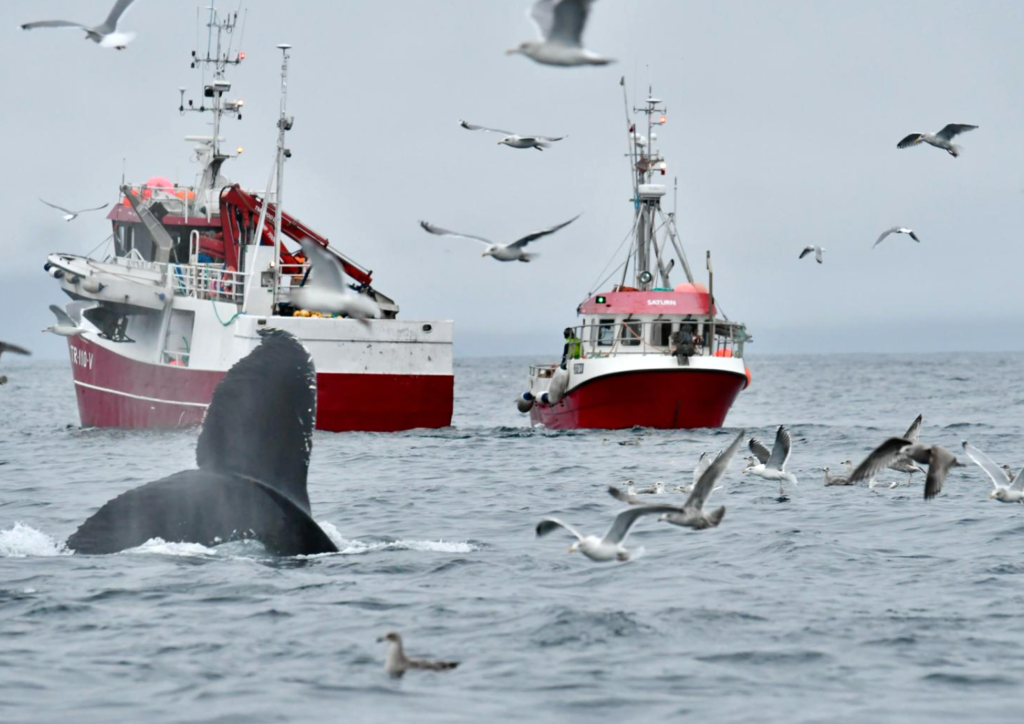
[(783, 119)]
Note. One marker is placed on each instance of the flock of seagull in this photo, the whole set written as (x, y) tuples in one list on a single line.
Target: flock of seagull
[(942, 139), (904, 454)]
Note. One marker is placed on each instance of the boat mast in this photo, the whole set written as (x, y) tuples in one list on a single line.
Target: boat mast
[(218, 56), (284, 124)]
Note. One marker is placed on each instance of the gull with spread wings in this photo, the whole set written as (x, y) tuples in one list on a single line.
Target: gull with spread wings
[(772, 464), (1006, 487), (938, 459), (105, 34), (560, 24), (943, 139), (68, 213), (514, 140), (516, 251), (610, 547)]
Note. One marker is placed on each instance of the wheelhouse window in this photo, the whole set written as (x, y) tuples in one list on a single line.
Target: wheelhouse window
[(632, 333), (660, 333), (606, 333)]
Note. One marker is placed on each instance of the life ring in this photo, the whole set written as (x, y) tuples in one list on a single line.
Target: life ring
[(750, 379)]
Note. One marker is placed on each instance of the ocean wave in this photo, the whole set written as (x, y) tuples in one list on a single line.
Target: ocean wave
[(23, 541), (359, 547)]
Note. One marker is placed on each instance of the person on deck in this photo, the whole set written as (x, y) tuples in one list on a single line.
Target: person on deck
[(681, 345), (571, 350)]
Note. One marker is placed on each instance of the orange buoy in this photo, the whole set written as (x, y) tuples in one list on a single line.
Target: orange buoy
[(749, 378), (723, 353)]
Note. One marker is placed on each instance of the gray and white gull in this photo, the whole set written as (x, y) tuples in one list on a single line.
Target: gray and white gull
[(105, 34), (69, 323), (327, 289), (1006, 487), (396, 663), (812, 249), (560, 24), (703, 464), (692, 514), (516, 251), (611, 547), (68, 213), (943, 139), (772, 464), (515, 140), (896, 230)]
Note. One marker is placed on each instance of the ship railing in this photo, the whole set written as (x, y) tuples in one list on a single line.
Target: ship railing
[(207, 281), (633, 336), (176, 358)]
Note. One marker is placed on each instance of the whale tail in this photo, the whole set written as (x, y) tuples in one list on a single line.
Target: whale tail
[(253, 456)]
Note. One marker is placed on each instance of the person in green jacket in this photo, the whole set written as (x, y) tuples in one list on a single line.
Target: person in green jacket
[(572, 348)]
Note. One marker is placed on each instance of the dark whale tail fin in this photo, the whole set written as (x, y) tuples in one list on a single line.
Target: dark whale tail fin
[(250, 428)]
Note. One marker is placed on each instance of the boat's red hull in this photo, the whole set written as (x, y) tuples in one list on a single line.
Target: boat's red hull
[(667, 399), (115, 391)]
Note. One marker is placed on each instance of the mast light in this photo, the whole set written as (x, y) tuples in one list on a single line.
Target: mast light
[(662, 120), (241, 56)]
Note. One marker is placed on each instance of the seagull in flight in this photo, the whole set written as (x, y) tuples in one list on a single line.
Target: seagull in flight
[(772, 464), (938, 459), (327, 291), (816, 250), (69, 323), (13, 348), (105, 34), (514, 139), (1007, 488), (943, 139), (396, 663), (560, 24), (896, 230), (610, 547), (516, 251), (68, 213)]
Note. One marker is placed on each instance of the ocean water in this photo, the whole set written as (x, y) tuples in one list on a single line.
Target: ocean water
[(838, 605)]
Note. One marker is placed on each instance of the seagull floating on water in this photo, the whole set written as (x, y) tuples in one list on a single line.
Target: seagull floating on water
[(514, 139), (560, 23), (396, 663), (831, 479), (772, 465), (105, 34), (328, 291), (816, 250), (14, 349), (896, 230), (1007, 489), (68, 213), (943, 139), (502, 252), (610, 547)]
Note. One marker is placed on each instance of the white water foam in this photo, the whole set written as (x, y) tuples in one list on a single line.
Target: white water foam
[(22, 541), (358, 547), (161, 547)]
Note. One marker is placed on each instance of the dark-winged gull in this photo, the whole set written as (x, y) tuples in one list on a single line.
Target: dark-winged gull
[(105, 34), (515, 140), (1006, 488), (327, 291), (904, 464), (14, 349), (831, 479), (816, 250), (396, 663), (516, 251), (943, 139), (938, 459), (772, 465), (610, 547), (896, 230), (560, 23), (68, 213)]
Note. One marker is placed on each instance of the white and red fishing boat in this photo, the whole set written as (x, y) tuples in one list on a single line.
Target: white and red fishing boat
[(647, 353), (196, 272)]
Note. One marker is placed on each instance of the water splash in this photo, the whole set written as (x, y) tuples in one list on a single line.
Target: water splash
[(23, 541), (359, 547), (161, 547)]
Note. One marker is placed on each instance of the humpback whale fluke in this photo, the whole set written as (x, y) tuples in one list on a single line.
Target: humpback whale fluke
[(253, 455)]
